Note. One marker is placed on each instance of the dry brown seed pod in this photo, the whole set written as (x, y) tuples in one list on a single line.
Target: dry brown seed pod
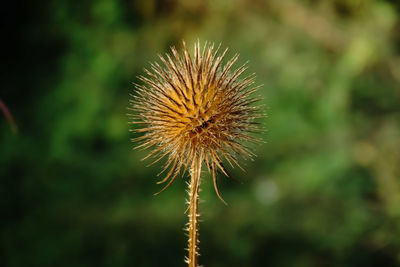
[(195, 110)]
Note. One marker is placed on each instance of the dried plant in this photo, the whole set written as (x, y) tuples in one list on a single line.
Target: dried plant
[(195, 111)]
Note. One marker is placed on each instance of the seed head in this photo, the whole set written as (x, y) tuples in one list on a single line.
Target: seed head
[(195, 108)]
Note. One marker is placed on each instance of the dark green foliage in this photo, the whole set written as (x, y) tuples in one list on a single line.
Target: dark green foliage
[(323, 191)]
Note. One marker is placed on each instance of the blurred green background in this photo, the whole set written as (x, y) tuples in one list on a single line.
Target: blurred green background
[(323, 191)]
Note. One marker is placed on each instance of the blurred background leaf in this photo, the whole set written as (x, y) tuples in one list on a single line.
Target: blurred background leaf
[(323, 191)]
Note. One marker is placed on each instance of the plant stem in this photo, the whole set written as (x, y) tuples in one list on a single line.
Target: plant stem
[(193, 211), (9, 116)]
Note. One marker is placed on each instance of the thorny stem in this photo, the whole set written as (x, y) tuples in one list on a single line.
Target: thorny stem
[(193, 211)]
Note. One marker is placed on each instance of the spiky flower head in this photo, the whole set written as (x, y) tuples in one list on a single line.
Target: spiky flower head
[(195, 109)]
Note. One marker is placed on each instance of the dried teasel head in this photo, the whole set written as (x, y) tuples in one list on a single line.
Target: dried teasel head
[(195, 109)]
